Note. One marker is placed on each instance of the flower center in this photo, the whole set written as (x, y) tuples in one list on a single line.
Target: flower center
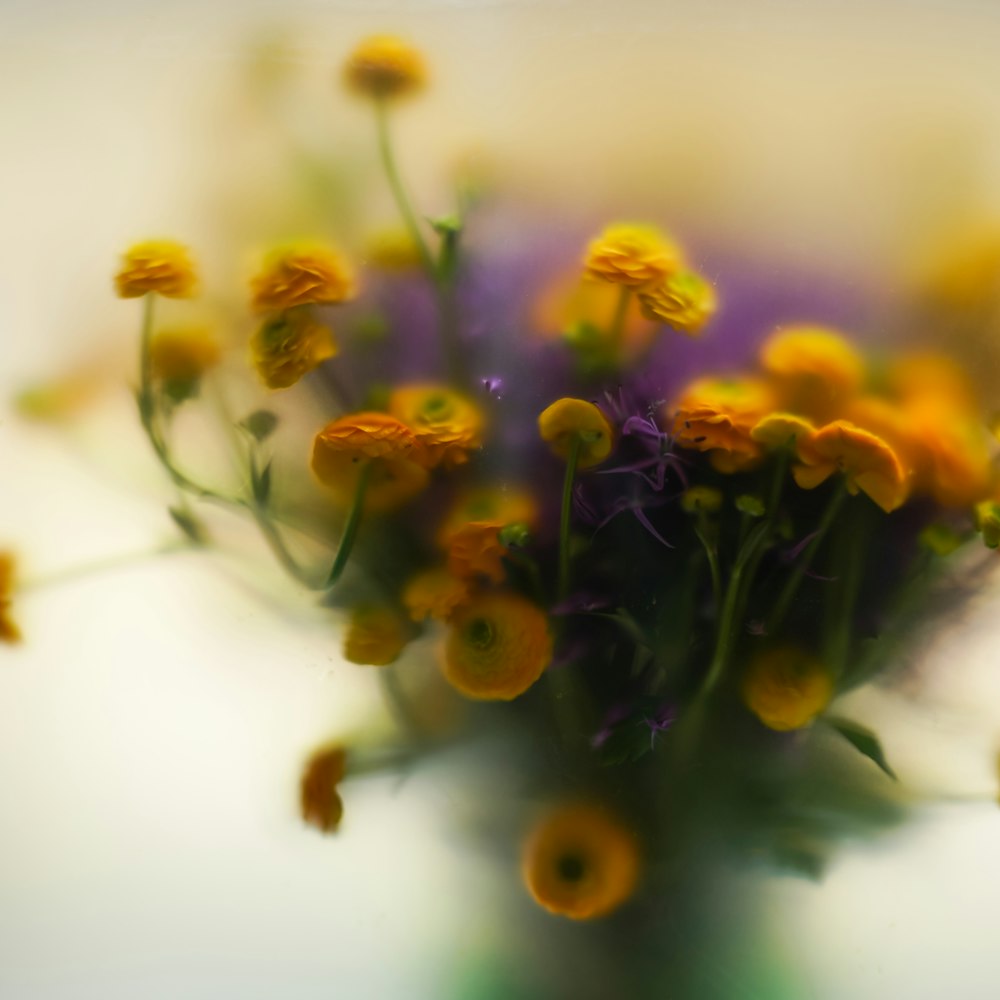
[(480, 633), (436, 408), (570, 867)]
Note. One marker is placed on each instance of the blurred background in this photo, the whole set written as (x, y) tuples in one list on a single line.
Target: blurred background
[(153, 724)]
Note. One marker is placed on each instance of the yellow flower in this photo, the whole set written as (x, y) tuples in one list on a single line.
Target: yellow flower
[(160, 266), (778, 430), (435, 593), (922, 375), (302, 274), (471, 532), (581, 311), (9, 632), (813, 368), (498, 645), (786, 687), (375, 636), (395, 459), (704, 498), (385, 66), (319, 798), (580, 862), (717, 415), (446, 422), (631, 255), (183, 355), (867, 462), (568, 419), (288, 346), (684, 301)]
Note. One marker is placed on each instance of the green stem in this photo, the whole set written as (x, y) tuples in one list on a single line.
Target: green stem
[(804, 561), (713, 565), (567, 503), (616, 332), (399, 192), (729, 616), (837, 643), (351, 527)]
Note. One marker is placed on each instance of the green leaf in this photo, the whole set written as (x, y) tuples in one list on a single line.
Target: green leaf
[(262, 485), (747, 504), (259, 425), (864, 741), (188, 524)]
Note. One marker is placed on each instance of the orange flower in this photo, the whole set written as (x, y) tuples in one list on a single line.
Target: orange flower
[(921, 375), (446, 422), (867, 462), (813, 368), (9, 632), (498, 645), (567, 420), (319, 799), (717, 415), (778, 430), (685, 301), (435, 593), (471, 532), (953, 456), (631, 255), (395, 459), (160, 266), (375, 636), (385, 66), (288, 346), (580, 862), (302, 274), (786, 687)]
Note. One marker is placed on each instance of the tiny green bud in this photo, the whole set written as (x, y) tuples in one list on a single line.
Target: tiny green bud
[(701, 498), (751, 505)]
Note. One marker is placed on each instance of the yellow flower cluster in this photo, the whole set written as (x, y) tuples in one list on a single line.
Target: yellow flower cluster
[(911, 428), (575, 423), (446, 422), (786, 687)]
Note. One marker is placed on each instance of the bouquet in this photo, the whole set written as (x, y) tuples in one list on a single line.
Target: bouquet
[(596, 522)]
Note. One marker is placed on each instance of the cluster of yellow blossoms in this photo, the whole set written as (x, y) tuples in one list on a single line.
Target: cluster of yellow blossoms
[(910, 427)]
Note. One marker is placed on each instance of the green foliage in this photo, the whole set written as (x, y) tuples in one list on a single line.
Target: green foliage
[(864, 741)]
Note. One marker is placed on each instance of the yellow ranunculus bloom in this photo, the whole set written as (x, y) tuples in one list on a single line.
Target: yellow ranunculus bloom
[(375, 636), (288, 346), (435, 593), (717, 415), (631, 255), (568, 419), (685, 301), (395, 459), (867, 462), (446, 422), (319, 798), (385, 66), (302, 274), (160, 266), (786, 687), (778, 430), (498, 645), (814, 369), (581, 862)]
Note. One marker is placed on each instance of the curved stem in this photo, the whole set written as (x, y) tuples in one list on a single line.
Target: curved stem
[(398, 191), (567, 502), (351, 527), (804, 561)]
